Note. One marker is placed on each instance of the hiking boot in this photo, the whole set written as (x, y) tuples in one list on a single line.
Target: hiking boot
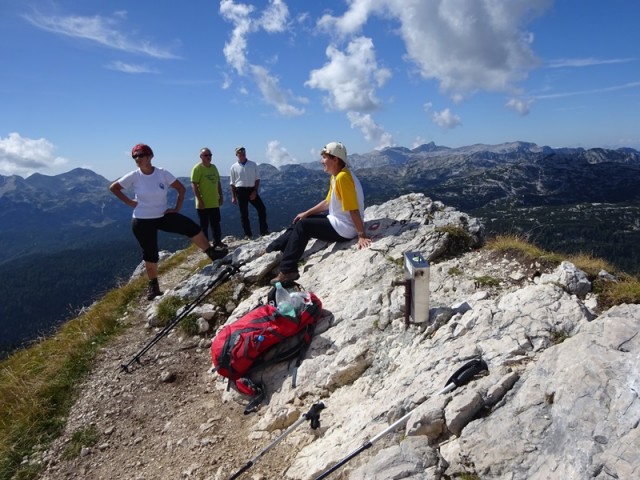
[(216, 254), (274, 247), (220, 245), (285, 277), (153, 289)]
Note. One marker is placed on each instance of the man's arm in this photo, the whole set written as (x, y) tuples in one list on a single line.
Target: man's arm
[(220, 196), (196, 191), (256, 186)]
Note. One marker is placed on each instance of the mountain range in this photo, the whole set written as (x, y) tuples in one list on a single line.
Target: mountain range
[(66, 239)]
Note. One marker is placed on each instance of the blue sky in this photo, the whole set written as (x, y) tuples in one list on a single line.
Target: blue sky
[(82, 82)]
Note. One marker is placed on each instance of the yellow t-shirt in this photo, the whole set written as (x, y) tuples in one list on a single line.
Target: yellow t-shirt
[(345, 194)]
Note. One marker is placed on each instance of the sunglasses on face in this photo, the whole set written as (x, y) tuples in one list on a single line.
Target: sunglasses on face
[(139, 155), (205, 155)]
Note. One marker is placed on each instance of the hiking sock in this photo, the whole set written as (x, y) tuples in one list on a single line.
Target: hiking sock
[(153, 289)]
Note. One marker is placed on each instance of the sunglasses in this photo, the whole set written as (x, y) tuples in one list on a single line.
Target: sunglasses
[(139, 155), (205, 155)]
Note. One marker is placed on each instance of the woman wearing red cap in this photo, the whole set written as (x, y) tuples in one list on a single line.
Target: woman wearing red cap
[(151, 212)]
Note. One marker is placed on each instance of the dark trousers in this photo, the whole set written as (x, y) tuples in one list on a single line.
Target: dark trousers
[(294, 240), (146, 232), (242, 194), (210, 216)]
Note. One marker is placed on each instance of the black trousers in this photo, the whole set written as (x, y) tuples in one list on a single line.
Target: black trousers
[(242, 194), (294, 240), (146, 232), (210, 216)]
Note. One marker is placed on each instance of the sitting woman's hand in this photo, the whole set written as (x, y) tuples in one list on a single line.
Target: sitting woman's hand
[(363, 242), (300, 216)]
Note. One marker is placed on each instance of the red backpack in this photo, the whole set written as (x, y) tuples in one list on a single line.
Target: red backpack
[(263, 337)]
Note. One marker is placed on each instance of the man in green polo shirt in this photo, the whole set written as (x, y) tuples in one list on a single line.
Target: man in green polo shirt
[(205, 181)]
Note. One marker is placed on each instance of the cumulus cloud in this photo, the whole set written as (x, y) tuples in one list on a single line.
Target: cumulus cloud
[(100, 29), (272, 94), (370, 129), (235, 49), (350, 77), (445, 119), (522, 106), (24, 156), (464, 45), (272, 20), (277, 155)]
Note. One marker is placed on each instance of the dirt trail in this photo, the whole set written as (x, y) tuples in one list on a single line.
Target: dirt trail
[(151, 428)]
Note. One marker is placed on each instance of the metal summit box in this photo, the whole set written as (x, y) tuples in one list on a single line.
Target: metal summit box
[(416, 270)]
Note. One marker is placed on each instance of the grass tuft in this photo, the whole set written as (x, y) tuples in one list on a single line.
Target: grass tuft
[(39, 384), (626, 290)]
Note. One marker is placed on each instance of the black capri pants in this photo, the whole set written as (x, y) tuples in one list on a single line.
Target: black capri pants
[(146, 232)]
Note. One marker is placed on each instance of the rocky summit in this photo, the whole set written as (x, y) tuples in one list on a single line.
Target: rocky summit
[(559, 398)]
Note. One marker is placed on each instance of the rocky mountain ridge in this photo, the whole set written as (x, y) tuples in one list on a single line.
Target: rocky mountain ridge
[(560, 399), (568, 200)]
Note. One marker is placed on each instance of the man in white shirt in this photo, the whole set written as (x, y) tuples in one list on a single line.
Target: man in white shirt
[(244, 179)]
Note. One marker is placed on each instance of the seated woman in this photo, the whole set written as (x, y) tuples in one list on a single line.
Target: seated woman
[(344, 221)]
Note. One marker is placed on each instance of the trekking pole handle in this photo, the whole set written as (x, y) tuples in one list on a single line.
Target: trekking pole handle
[(313, 415), (465, 373)]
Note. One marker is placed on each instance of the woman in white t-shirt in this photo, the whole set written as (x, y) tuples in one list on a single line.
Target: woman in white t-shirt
[(344, 221), (151, 212)]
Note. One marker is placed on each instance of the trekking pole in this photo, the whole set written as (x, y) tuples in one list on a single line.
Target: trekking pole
[(313, 415), (224, 275), (460, 377)]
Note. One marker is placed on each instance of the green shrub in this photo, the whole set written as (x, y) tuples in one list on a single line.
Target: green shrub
[(168, 308), (486, 281), (85, 437)]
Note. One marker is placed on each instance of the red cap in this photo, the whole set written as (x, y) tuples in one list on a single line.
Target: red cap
[(142, 148)]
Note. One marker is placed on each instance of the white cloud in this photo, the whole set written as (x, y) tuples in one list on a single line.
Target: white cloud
[(272, 94), (613, 88), (465, 45), (235, 49), (586, 62), (98, 29), (350, 77), (370, 129), (418, 141), (277, 155), (446, 119), (129, 68), (522, 106), (273, 20), (24, 156)]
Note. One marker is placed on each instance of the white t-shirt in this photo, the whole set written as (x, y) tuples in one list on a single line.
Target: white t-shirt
[(150, 191), (244, 175)]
